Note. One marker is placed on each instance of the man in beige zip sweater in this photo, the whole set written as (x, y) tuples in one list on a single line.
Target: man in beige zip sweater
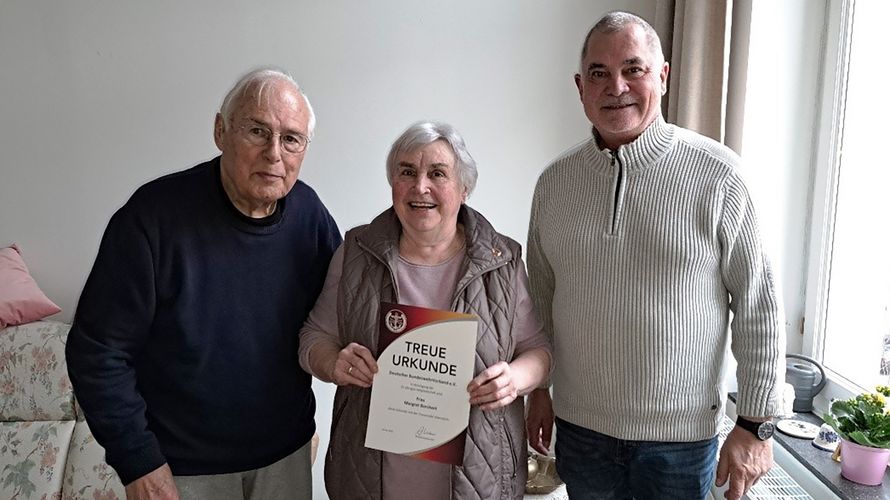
[(642, 241)]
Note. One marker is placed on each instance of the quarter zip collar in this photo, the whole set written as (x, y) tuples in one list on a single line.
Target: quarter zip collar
[(645, 151)]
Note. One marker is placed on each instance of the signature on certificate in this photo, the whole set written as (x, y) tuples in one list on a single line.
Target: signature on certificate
[(424, 433)]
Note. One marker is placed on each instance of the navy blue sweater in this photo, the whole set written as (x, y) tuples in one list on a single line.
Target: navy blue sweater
[(184, 344)]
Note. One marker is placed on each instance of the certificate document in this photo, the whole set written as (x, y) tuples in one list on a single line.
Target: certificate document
[(419, 401)]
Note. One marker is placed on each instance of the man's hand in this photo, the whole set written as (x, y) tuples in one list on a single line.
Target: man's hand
[(539, 420), (156, 485), (743, 459)]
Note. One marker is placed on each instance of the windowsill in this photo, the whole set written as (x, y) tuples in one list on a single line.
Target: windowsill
[(820, 464), (828, 471)]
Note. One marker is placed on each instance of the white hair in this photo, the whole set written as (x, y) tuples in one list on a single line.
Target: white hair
[(261, 79)]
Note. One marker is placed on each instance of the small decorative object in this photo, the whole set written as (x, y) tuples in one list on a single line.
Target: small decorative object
[(542, 477), (798, 428), (863, 424), (836, 455), (788, 398), (827, 439)]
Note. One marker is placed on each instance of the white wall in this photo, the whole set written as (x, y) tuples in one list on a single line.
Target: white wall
[(99, 96), (781, 113)]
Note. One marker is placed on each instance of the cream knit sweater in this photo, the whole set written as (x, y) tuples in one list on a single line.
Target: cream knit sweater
[(636, 258)]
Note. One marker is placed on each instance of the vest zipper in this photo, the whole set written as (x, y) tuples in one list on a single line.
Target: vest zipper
[(460, 290), (509, 443), (335, 423), (457, 294), (392, 274)]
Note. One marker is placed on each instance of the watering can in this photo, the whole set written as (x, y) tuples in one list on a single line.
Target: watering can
[(803, 377)]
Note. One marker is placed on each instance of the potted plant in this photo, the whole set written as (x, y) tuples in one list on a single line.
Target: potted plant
[(863, 423)]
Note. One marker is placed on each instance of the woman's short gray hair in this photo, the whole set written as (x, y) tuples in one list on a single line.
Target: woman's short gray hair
[(422, 133), (260, 79)]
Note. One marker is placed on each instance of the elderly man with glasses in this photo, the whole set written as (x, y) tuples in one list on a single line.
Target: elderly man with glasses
[(183, 351)]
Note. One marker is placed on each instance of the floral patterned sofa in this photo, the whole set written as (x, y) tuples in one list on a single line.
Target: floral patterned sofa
[(46, 449)]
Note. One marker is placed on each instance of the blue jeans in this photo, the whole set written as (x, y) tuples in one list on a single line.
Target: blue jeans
[(596, 466)]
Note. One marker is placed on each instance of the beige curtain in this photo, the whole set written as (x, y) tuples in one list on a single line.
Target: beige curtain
[(706, 44)]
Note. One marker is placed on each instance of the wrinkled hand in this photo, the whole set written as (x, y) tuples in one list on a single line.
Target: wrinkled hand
[(494, 387), (539, 420), (156, 485), (354, 365), (743, 459)]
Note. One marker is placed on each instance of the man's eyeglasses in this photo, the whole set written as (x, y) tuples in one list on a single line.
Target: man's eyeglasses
[(260, 136)]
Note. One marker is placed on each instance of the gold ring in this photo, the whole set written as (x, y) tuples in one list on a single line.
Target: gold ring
[(349, 371)]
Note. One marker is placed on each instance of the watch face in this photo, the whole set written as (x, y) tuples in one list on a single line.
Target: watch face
[(766, 430)]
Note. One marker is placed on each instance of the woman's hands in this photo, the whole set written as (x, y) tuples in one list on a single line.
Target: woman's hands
[(501, 383), (353, 365), (493, 388)]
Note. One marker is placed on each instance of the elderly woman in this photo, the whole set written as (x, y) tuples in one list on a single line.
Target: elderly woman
[(428, 250)]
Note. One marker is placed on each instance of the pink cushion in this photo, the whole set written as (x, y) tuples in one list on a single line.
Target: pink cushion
[(21, 300)]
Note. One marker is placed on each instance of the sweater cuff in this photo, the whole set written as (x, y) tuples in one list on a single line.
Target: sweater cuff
[(753, 402), (132, 465)]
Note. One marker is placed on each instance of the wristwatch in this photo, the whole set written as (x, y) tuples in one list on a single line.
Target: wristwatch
[(763, 430)]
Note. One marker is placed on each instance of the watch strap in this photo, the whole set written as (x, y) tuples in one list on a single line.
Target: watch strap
[(756, 428)]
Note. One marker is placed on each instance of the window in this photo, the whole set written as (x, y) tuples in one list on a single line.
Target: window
[(848, 294)]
